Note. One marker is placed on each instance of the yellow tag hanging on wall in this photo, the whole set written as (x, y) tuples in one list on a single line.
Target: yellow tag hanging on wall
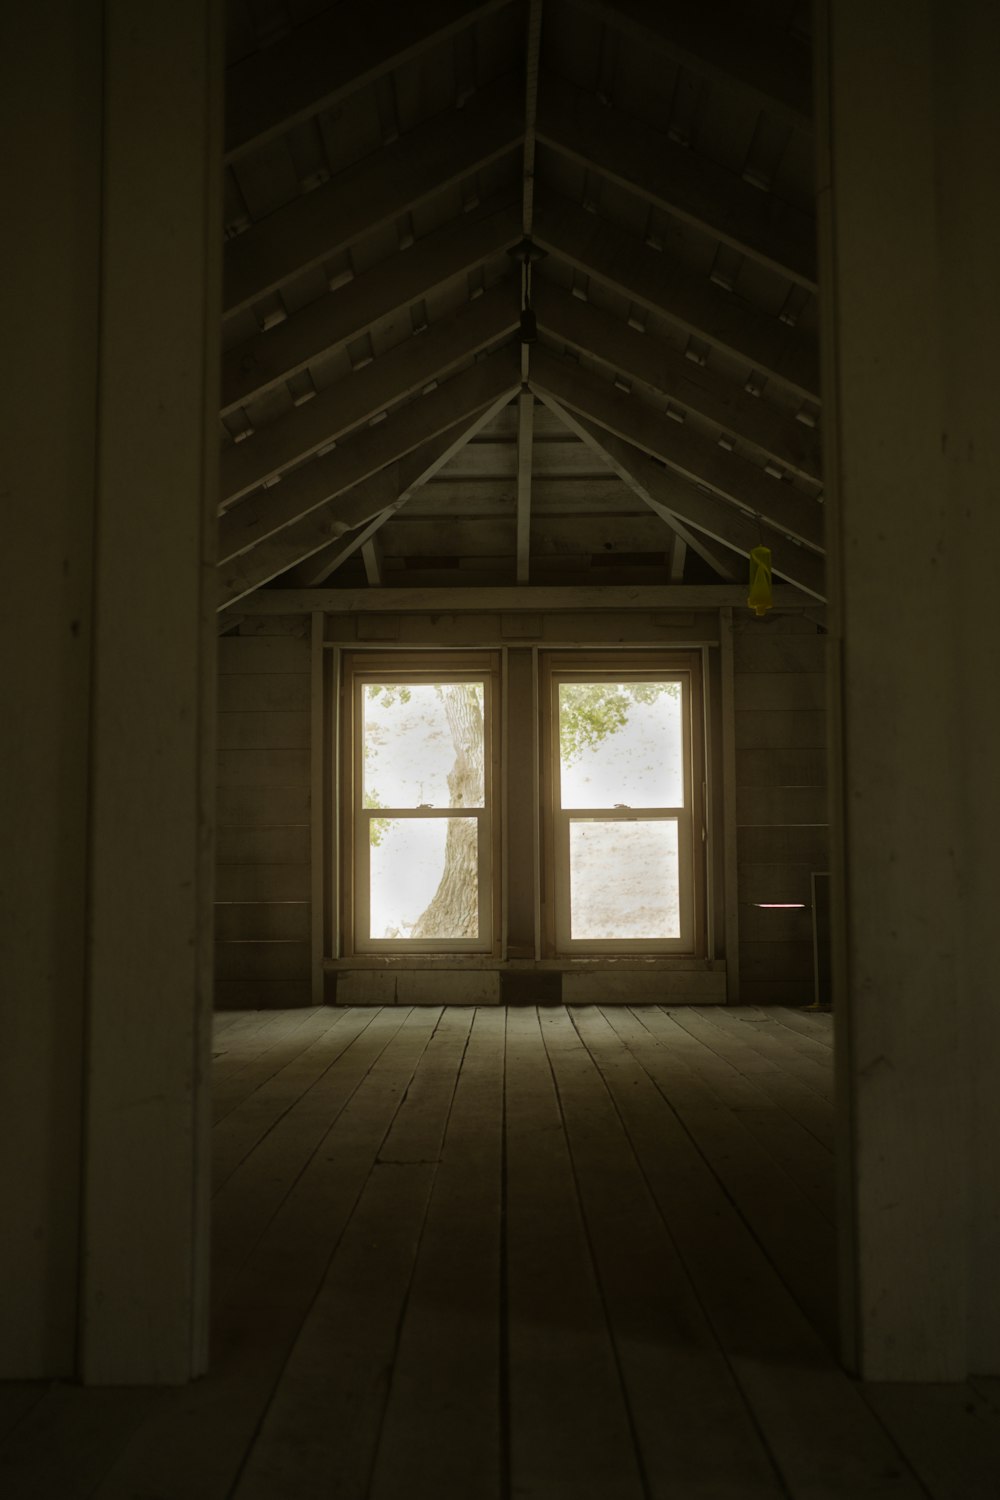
[(759, 598)]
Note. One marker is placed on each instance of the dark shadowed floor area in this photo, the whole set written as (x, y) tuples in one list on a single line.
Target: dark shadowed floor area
[(558, 1254)]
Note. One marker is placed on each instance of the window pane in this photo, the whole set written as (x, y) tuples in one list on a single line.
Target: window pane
[(621, 742), (624, 880), (424, 878), (423, 743)]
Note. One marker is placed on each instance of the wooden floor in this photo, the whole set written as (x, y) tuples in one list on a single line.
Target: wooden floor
[(564, 1254)]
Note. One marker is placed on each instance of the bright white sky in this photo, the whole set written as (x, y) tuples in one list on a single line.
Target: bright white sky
[(409, 753), (641, 764)]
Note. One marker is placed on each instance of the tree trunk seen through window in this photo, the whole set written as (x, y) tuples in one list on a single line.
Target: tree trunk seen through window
[(453, 911)]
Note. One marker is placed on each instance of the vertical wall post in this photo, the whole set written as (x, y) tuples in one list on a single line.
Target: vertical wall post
[(910, 242), (730, 853), (145, 1184), (50, 243), (317, 808)]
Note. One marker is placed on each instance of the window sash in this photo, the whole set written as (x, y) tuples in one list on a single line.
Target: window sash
[(427, 668), (565, 942), (626, 668)]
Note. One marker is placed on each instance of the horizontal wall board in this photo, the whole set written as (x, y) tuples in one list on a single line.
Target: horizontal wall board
[(794, 765), (630, 597), (479, 537), (261, 807), (779, 653), (663, 988), (258, 994), (263, 731), (775, 882), (796, 728), (261, 961), (263, 653), (263, 692), (549, 497), (272, 624), (771, 690), (759, 925), (475, 537), (418, 987), (282, 844), (262, 921), (781, 804), (263, 882), (797, 992), (609, 629), (767, 961), (263, 768), (782, 621), (777, 846)]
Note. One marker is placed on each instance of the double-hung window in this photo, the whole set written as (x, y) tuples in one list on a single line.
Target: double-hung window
[(623, 801), (420, 785), (609, 836)]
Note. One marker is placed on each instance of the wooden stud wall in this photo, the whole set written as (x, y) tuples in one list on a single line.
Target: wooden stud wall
[(264, 888), (781, 814), (263, 881), (45, 647)]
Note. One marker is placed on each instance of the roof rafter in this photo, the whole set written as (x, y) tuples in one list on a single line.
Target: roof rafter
[(372, 500), (680, 501), (280, 352), (525, 452), (371, 552), (599, 248), (573, 598), (724, 41), (689, 187), (736, 480), (594, 438), (663, 368), (401, 372), (372, 193), (678, 557), (261, 515), (330, 56), (337, 553)]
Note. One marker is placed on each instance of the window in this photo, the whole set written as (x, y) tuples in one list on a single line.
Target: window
[(420, 754), (603, 816), (623, 804)]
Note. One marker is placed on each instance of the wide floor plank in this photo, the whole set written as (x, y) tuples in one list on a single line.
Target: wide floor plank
[(320, 1434), (442, 1435), (570, 1434), (814, 1024), (265, 1297), (243, 1127), (812, 1112), (822, 1437), (17, 1397), (536, 1254), (761, 1111), (244, 1082), (811, 1067), (793, 1234), (693, 1431), (951, 1434)]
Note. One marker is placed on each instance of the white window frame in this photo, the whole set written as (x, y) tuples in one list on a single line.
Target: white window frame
[(362, 669), (624, 666)]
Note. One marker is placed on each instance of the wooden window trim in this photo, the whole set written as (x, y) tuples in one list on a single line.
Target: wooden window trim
[(556, 666), (358, 669)]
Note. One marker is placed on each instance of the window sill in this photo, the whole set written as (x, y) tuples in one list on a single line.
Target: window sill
[(591, 963)]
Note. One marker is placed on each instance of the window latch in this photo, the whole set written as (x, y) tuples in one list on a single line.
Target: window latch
[(424, 804), (626, 805)]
